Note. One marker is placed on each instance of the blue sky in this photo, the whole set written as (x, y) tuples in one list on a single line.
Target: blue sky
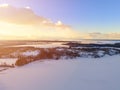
[(92, 15)]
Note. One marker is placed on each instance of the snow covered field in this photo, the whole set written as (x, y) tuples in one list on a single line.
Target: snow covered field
[(44, 45), (7, 61), (78, 74)]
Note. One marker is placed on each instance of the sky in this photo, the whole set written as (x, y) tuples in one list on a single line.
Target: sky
[(69, 19)]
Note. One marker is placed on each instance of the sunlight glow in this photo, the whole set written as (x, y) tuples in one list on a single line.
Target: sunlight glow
[(4, 5), (27, 7), (15, 31)]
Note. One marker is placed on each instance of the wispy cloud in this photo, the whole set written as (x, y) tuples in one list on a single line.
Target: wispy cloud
[(98, 35)]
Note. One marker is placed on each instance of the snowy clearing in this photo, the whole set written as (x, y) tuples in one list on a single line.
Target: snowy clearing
[(7, 61), (47, 45), (31, 53)]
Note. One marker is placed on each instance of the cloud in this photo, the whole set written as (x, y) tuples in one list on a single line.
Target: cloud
[(24, 16), (24, 23), (98, 35), (19, 15)]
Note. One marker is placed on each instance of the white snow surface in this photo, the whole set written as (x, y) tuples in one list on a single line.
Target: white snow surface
[(8, 61), (77, 74), (46, 45), (31, 53)]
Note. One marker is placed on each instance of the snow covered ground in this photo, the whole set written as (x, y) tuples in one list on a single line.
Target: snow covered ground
[(45, 45), (7, 61), (77, 74), (31, 53)]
